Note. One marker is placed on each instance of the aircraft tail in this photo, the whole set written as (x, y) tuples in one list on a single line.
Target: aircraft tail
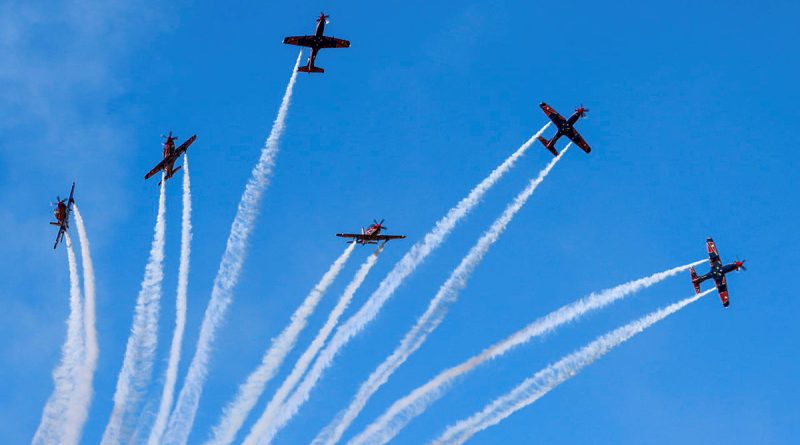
[(695, 283), (312, 69), (548, 145), (55, 224)]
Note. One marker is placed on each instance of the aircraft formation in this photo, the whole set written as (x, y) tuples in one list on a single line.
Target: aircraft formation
[(372, 235)]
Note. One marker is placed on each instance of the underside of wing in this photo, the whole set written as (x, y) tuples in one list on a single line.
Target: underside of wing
[(156, 169), (722, 287), (300, 41), (553, 115), (576, 137), (333, 42), (59, 235), (185, 146), (713, 255), (388, 237)]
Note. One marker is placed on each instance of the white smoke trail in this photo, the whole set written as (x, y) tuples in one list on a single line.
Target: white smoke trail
[(305, 360), (52, 428), (171, 374), (437, 309), (236, 412), (182, 418), (140, 352), (355, 324), (78, 411), (533, 388), (389, 424)]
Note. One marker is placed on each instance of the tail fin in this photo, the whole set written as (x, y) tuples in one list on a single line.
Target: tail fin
[(694, 280), (547, 144), (312, 69)]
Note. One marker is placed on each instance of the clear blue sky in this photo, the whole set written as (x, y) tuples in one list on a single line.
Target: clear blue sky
[(692, 124)]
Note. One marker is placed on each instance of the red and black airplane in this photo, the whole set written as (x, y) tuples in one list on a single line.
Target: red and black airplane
[(717, 272), (171, 154), (316, 43), (61, 213), (370, 235), (565, 128)]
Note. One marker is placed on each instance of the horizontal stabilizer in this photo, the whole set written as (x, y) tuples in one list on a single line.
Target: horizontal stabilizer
[(313, 69), (548, 145), (55, 224)]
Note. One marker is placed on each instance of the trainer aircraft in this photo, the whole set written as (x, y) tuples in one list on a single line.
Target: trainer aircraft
[(62, 211), (717, 272), (171, 154), (565, 128), (316, 43), (370, 235)]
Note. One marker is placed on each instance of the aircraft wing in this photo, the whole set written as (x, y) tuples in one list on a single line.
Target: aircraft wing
[(575, 137), (156, 169), (387, 237), (185, 146), (713, 255), (362, 237), (722, 288), (333, 42), (60, 235), (553, 115), (71, 197), (300, 41)]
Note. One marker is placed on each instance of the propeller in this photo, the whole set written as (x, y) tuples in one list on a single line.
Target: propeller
[(742, 264), (380, 224), (582, 111)]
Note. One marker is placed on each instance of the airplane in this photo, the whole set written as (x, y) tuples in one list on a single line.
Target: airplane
[(316, 42), (717, 272), (565, 128), (171, 154), (61, 213), (370, 235)]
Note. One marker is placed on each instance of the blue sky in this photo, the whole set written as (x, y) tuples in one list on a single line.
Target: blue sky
[(691, 124)]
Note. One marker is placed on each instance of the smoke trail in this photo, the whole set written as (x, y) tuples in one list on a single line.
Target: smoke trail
[(305, 360), (182, 418), (52, 428), (437, 309), (236, 412), (140, 352), (533, 388), (79, 406), (389, 424), (355, 324), (171, 374)]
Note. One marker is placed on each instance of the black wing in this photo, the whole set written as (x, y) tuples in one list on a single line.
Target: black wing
[(333, 42), (308, 41), (161, 165), (722, 288), (60, 235), (71, 197), (713, 255), (185, 146), (387, 237), (553, 115), (575, 137)]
